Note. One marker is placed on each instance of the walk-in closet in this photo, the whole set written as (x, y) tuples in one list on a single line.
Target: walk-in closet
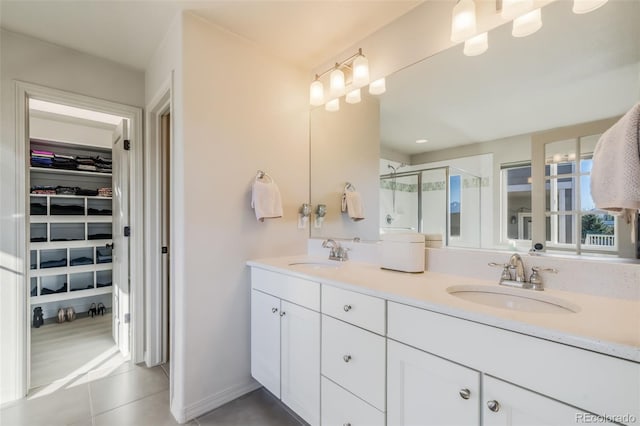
[(71, 243)]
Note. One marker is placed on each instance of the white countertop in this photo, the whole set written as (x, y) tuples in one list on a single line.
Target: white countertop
[(606, 325)]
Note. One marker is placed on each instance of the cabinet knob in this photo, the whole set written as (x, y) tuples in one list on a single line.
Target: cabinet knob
[(346, 424), (346, 358), (274, 310), (465, 393), (493, 405), (283, 313), (347, 308)]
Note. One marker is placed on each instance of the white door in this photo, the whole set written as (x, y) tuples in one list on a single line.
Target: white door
[(121, 285), (423, 389), (265, 340), (506, 405), (300, 378)]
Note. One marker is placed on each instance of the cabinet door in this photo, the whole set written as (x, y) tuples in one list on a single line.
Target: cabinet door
[(506, 405), (265, 340), (340, 408), (423, 389), (300, 328)]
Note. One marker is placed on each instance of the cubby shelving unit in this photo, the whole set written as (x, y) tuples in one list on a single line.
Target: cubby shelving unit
[(69, 234)]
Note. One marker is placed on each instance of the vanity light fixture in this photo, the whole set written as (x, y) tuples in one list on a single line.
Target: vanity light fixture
[(378, 87), (336, 82), (422, 141), (476, 45), (357, 67), (316, 93), (333, 105), (463, 21), (527, 24), (353, 96), (513, 8), (586, 6)]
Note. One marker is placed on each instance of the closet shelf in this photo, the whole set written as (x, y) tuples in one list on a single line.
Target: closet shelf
[(52, 171), (77, 294), (73, 218), (48, 272), (44, 245), (91, 197)]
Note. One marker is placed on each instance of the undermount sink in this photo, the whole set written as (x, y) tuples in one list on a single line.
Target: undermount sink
[(316, 265), (514, 299)]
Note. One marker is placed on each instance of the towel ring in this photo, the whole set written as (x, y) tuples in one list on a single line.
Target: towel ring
[(262, 175), (349, 187)]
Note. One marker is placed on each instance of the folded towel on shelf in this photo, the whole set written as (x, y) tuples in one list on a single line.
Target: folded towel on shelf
[(615, 175), (352, 205), (265, 199)]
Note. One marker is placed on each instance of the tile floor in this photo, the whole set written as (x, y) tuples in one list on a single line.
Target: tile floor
[(136, 396)]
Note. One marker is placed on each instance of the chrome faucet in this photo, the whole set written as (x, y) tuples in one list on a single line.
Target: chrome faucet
[(337, 252), (515, 263), (519, 280)]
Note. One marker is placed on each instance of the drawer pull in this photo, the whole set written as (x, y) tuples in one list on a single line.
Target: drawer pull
[(347, 308), (465, 393), (346, 358), (493, 405), (283, 313), (274, 310), (346, 424)]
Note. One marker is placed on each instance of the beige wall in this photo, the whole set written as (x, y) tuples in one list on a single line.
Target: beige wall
[(346, 148), (31, 60), (67, 131), (240, 111)]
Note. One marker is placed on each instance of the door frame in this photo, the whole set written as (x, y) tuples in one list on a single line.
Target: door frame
[(25, 91), (157, 309)]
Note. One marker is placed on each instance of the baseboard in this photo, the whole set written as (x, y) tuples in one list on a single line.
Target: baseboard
[(216, 400)]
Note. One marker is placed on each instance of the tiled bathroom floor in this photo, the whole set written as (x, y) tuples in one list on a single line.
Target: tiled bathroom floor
[(135, 396)]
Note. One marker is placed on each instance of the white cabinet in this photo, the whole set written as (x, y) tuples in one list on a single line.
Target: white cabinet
[(265, 340), (423, 389), (300, 368), (507, 405), (340, 408), (355, 308), (285, 341), (355, 359)]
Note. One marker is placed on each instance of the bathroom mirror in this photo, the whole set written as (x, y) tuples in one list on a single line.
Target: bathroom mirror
[(481, 117)]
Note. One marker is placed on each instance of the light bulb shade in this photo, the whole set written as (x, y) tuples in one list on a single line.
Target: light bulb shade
[(378, 86), (463, 21), (527, 24), (513, 8), (476, 45), (336, 83), (586, 6), (360, 71), (316, 93), (333, 105), (353, 97)]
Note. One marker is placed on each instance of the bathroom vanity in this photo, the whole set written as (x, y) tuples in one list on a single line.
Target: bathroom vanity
[(351, 344)]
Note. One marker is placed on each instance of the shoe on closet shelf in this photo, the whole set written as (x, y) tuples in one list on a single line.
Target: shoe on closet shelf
[(71, 314), (101, 309), (93, 311), (61, 315), (38, 318)]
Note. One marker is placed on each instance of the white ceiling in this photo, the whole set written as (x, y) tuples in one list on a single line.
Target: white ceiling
[(304, 33), (577, 68)]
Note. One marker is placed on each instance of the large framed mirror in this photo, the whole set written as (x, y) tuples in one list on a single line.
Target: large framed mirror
[(463, 147)]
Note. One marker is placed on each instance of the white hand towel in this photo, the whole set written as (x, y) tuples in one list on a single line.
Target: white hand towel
[(615, 175), (265, 199), (352, 205)]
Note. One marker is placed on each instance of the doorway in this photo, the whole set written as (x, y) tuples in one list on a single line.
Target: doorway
[(78, 191), (67, 233)]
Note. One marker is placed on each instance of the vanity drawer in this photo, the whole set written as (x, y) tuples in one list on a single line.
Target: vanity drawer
[(355, 308), (588, 380), (296, 290), (355, 359), (340, 407)]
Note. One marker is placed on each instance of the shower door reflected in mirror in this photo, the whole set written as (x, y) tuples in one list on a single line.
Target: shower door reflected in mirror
[(399, 202)]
